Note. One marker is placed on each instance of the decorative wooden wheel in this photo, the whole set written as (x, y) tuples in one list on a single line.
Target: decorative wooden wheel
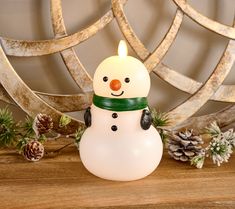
[(13, 89)]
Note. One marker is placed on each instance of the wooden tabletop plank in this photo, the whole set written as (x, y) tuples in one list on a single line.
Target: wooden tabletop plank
[(63, 182)]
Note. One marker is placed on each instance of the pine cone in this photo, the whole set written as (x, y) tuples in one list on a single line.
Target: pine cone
[(33, 151), (184, 146), (42, 124)]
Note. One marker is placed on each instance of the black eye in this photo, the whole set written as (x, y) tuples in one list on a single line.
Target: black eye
[(105, 78), (127, 80)]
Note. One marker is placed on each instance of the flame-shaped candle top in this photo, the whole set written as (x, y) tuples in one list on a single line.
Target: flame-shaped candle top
[(122, 49)]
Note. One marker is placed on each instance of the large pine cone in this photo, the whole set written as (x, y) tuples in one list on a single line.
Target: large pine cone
[(33, 151), (42, 124), (184, 145)]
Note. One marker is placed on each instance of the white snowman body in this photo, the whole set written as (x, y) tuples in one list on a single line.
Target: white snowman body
[(115, 146)]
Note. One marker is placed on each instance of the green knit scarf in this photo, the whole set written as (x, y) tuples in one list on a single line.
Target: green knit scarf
[(123, 104)]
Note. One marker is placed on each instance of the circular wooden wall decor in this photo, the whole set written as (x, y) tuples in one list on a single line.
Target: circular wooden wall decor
[(33, 102)]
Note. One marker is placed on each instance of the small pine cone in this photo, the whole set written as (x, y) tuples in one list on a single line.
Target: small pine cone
[(184, 146), (42, 124), (33, 151)]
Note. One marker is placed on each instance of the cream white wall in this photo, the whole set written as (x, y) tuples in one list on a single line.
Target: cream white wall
[(195, 52)]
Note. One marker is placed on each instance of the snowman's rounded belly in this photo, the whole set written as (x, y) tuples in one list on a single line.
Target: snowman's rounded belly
[(118, 155)]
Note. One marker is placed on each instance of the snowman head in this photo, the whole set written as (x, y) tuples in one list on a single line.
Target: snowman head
[(121, 77)]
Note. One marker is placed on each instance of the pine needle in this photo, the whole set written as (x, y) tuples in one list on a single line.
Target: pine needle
[(7, 127), (64, 121), (28, 126), (213, 129), (159, 118), (78, 135), (6, 117)]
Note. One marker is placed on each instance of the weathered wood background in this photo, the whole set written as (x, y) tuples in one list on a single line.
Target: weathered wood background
[(14, 90)]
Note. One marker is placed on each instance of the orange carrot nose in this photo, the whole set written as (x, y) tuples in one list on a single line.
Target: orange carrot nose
[(115, 85)]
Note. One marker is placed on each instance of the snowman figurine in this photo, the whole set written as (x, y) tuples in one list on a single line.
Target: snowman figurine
[(120, 143)]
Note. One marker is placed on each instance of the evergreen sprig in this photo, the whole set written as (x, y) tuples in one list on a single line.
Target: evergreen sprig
[(198, 160), (213, 129), (78, 135), (25, 133), (219, 150), (6, 117), (160, 119), (28, 126), (220, 147), (19, 134), (7, 128), (64, 121)]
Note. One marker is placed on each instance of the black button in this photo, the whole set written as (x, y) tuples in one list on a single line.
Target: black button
[(114, 115), (127, 80), (114, 128), (105, 78)]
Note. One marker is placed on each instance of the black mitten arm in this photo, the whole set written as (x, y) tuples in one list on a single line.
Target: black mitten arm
[(146, 119), (87, 117)]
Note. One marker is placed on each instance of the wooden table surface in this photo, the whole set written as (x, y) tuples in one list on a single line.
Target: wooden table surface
[(63, 182)]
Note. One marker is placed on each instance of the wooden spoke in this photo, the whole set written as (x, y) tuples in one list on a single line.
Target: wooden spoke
[(28, 100), (67, 103), (63, 103), (71, 60), (225, 93), (151, 60), (127, 31), (24, 48), (5, 97), (224, 30), (156, 57), (223, 118), (196, 101), (27, 48)]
